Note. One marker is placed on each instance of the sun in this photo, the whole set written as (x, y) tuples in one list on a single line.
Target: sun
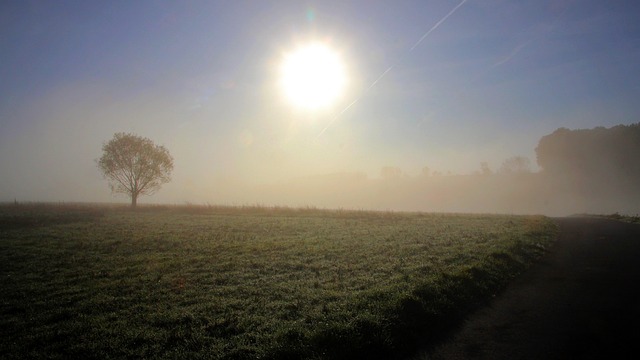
[(313, 76)]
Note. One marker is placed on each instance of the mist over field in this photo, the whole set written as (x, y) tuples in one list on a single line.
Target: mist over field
[(580, 171), (430, 100), (177, 178)]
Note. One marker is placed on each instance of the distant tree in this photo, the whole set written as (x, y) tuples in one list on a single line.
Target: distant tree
[(425, 172), (515, 165), (485, 169), (134, 165), (390, 172)]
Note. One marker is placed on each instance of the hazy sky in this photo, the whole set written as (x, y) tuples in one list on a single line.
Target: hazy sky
[(200, 77)]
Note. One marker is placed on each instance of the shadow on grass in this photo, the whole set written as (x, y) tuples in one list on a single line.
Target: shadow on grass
[(420, 320), (30, 215)]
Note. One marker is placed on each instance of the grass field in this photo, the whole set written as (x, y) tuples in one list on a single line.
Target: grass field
[(246, 283)]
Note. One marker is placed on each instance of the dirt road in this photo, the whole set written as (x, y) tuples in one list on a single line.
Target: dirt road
[(582, 301)]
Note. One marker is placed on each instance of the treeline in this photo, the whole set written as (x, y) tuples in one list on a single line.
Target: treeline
[(595, 161), (599, 168), (582, 171)]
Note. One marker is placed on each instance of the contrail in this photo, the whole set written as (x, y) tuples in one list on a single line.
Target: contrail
[(337, 115), (390, 67), (379, 77), (513, 53), (545, 33), (437, 24), (353, 102)]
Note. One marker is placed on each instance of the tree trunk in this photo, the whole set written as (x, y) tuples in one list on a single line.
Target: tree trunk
[(134, 200)]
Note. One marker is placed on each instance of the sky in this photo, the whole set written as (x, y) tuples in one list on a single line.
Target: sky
[(443, 84)]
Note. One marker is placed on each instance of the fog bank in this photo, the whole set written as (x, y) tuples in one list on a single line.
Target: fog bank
[(582, 171)]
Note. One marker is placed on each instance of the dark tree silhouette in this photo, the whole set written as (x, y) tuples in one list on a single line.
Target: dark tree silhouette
[(134, 165), (601, 154), (598, 166)]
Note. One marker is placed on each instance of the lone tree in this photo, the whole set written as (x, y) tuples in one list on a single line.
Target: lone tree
[(134, 165)]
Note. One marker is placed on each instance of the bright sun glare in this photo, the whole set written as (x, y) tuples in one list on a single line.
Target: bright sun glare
[(313, 76)]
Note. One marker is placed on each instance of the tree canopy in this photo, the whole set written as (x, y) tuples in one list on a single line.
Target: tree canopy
[(596, 152), (596, 161), (134, 165)]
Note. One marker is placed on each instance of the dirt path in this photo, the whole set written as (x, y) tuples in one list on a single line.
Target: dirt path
[(581, 302)]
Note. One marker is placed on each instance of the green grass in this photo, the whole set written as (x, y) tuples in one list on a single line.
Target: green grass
[(246, 283)]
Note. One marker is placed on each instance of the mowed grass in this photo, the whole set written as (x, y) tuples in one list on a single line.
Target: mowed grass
[(247, 283)]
